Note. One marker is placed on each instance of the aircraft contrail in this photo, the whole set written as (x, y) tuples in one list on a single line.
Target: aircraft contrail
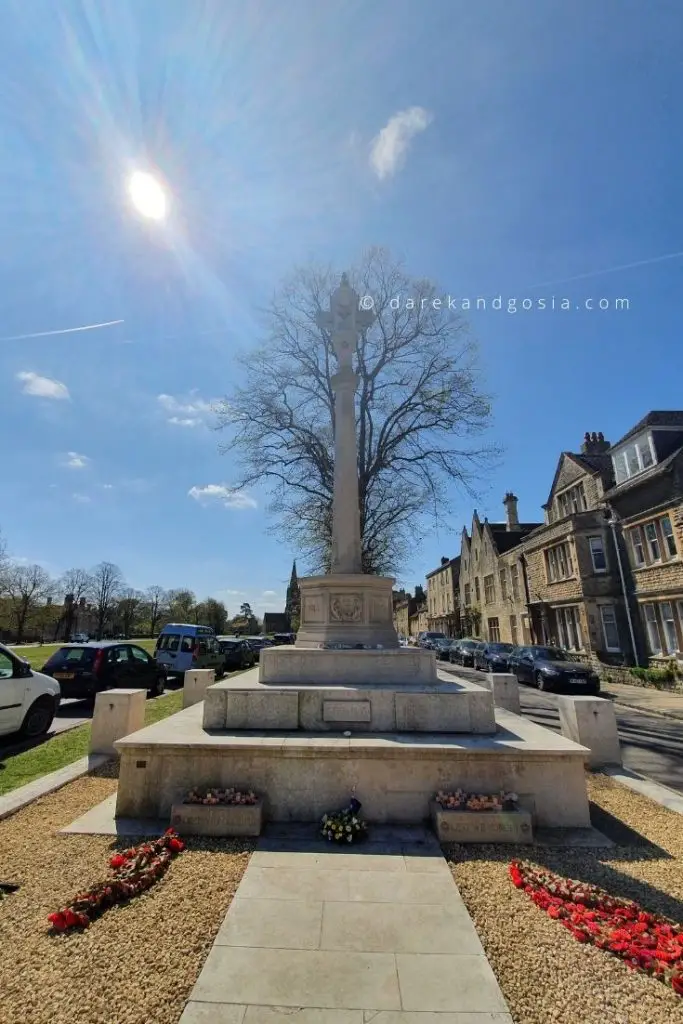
[(609, 270), (65, 330)]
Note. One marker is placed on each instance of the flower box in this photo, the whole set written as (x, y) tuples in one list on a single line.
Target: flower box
[(463, 826), (194, 819)]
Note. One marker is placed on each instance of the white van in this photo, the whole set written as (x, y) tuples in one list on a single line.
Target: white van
[(182, 646)]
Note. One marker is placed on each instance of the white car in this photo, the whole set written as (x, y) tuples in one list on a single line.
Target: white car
[(28, 699)]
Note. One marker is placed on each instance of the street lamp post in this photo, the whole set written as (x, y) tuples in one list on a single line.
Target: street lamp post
[(613, 521)]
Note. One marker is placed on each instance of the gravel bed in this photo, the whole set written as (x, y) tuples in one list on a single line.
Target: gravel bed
[(546, 976), (135, 964)]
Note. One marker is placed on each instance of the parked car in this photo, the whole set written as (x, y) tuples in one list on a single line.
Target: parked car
[(182, 646), (494, 657), (257, 643), (426, 638), (28, 699), (80, 638), (83, 670), (284, 638), (463, 651), (549, 668), (442, 648), (237, 654)]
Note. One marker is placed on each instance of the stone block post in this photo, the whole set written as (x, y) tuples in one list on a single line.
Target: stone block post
[(591, 721), (505, 690), (195, 684), (117, 713)]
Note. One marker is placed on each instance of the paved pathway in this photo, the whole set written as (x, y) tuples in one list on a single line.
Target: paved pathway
[(377, 933)]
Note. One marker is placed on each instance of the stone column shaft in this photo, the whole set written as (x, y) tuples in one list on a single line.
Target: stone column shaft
[(346, 541)]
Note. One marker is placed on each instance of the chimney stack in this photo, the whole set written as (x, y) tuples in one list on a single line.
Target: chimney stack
[(594, 444), (510, 502), (444, 560)]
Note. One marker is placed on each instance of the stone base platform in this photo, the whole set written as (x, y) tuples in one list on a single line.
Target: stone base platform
[(445, 706), (320, 667), (395, 775)]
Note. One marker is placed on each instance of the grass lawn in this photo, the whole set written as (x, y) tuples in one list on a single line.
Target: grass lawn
[(38, 655), (69, 746)]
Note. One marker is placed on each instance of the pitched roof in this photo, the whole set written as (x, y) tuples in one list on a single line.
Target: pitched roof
[(505, 539), (656, 418)]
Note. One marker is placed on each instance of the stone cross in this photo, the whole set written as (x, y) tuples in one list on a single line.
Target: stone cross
[(345, 321)]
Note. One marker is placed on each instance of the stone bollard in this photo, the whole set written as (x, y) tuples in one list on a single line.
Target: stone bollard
[(195, 684), (505, 690), (591, 721), (117, 713)]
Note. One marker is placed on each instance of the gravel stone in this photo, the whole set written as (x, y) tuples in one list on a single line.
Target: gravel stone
[(546, 976), (135, 964)]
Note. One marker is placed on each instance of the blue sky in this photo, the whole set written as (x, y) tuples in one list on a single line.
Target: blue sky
[(527, 143)]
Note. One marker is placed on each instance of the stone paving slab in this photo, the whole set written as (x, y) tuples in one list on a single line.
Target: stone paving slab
[(100, 821), (347, 937)]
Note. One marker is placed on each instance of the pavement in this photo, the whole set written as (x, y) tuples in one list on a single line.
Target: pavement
[(650, 733), (375, 932)]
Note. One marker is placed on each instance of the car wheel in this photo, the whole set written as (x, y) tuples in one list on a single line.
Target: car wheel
[(38, 718), (158, 688), (541, 683)]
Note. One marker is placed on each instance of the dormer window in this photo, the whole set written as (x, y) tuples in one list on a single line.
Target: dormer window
[(572, 501), (633, 458)]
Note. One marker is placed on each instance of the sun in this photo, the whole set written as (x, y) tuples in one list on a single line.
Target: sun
[(147, 195)]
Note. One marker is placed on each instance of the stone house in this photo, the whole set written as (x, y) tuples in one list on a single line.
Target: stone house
[(492, 591), (404, 606), (576, 598), (418, 622), (647, 505), (443, 597)]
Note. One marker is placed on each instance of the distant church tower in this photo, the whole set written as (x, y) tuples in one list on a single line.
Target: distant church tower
[(293, 600)]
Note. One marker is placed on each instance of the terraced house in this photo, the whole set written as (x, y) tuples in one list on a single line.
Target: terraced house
[(443, 604), (647, 499), (603, 574)]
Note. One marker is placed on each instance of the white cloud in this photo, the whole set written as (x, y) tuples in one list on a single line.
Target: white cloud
[(42, 387), (188, 411), (227, 496), (390, 147), (82, 498), (107, 487), (269, 593), (73, 460)]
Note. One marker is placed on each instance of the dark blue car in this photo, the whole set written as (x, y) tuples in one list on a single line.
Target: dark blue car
[(549, 668)]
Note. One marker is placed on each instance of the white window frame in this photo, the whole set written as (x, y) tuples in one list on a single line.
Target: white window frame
[(654, 637), (606, 625), (670, 637), (635, 447), (603, 553), (493, 629), (668, 538), (653, 543), (637, 544), (569, 626)]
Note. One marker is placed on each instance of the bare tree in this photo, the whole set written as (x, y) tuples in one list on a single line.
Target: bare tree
[(74, 584), (28, 587), (182, 605), (127, 609), (156, 599), (106, 583), (420, 413)]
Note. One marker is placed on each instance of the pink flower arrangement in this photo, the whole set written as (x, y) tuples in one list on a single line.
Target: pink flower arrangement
[(214, 796), (462, 801), (645, 942)]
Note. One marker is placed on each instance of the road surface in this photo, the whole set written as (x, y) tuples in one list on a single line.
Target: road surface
[(651, 745)]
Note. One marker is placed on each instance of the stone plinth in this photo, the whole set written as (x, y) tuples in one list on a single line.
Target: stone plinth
[(320, 667), (440, 707), (195, 684), (300, 776), (347, 609), (591, 721), (456, 826), (505, 690), (218, 820), (117, 713)]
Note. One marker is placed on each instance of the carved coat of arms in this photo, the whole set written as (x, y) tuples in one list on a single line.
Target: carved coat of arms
[(346, 608)]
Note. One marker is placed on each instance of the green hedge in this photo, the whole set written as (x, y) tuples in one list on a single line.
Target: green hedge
[(657, 676)]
